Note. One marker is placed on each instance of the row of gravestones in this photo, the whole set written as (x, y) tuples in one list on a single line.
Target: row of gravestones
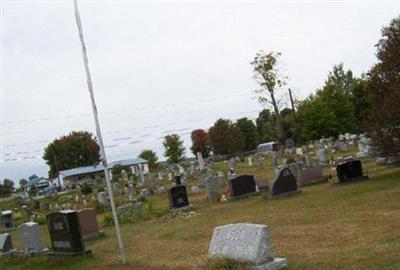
[(67, 228)]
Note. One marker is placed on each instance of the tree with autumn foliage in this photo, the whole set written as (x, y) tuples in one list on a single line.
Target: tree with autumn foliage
[(200, 142), (383, 85), (77, 149), (226, 138)]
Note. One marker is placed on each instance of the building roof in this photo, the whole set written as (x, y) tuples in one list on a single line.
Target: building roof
[(35, 181), (99, 167)]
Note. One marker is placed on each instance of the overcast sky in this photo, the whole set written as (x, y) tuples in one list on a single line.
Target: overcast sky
[(160, 68)]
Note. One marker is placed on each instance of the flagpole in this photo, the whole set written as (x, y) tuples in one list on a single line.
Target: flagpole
[(98, 131)]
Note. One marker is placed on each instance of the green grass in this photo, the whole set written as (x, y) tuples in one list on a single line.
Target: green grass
[(350, 226)]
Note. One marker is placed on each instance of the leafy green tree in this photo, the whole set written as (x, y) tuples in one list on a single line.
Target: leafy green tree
[(249, 132), (267, 73), (173, 148), (266, 126), (151, 157), (226, 138), (315, 119), (78, 148), (384, 88), (200, 142), (6, 188), (361, 99), (22, 182), (86, 189), (33, 176)]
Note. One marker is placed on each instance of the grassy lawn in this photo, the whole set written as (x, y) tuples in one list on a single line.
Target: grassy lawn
[(351, 226)]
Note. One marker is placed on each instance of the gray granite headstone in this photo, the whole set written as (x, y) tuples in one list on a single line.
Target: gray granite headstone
[(5, 243), (213, 185), (102, 198), (247, 243), (31, 237)]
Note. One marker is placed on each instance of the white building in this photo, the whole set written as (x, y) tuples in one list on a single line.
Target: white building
[(93, 175)]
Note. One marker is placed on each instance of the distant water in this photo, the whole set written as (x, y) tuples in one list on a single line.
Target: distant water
[(126, 131)]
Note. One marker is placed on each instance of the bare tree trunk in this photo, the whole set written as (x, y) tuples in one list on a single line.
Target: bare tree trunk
[(279, 130)]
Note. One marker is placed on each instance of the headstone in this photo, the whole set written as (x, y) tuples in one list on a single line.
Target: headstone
[(65, 233), (250, 161), (299, 151), (195, 189), (131, 209), (349, 170), (322, 156), (5, 243), (242, 185), (232, 165), (102, 198), (7, 221), (141, 175), (31, 237), (178, 180), (246, 243), (284, 183), (310, 176), (213, 185), (178, 197), (89, 225), (161, 189), (200, 160), (295, 168)]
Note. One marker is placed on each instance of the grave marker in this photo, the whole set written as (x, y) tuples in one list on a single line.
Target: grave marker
[(247, 243), (242, 185), (285, 183), (31, 237), (177, 196)]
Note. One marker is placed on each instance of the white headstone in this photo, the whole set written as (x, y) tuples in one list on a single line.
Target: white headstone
[(31, 237), (250, 162), (245, 242), (200, 160)]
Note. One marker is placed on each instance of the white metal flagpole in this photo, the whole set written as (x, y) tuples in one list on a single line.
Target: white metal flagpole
[(98, 131)]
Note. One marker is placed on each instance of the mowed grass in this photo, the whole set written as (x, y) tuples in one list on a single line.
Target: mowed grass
[(350, 226)]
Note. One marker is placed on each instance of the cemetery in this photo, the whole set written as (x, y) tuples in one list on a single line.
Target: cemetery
[(301, 172), (161, 219)]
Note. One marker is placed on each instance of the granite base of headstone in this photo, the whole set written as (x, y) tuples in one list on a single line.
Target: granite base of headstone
[(245, 243), (284, 184), (89, 225), (31, 238)]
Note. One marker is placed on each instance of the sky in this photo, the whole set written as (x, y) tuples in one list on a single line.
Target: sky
[(161, 67)]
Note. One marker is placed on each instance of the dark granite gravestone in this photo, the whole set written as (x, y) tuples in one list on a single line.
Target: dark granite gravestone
[(178, 197), (88, 222), (284, 183), (5, 243), (178, 180), (6, 218), (242, 185), (349, 170), (65, 233)]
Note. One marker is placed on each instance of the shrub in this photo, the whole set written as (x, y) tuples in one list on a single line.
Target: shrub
[(86, 189)]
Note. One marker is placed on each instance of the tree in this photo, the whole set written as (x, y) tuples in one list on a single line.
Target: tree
[(22, 182), (225, 138), (33, 176), (6, 188), (362, 103), (173, 148), (383, 85), (249, 132), (78, 148), (200, 142), (266, 126), (150, 156), (271, 79)]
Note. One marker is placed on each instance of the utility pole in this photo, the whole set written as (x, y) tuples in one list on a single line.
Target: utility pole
[(291, 101), (98, 132)]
